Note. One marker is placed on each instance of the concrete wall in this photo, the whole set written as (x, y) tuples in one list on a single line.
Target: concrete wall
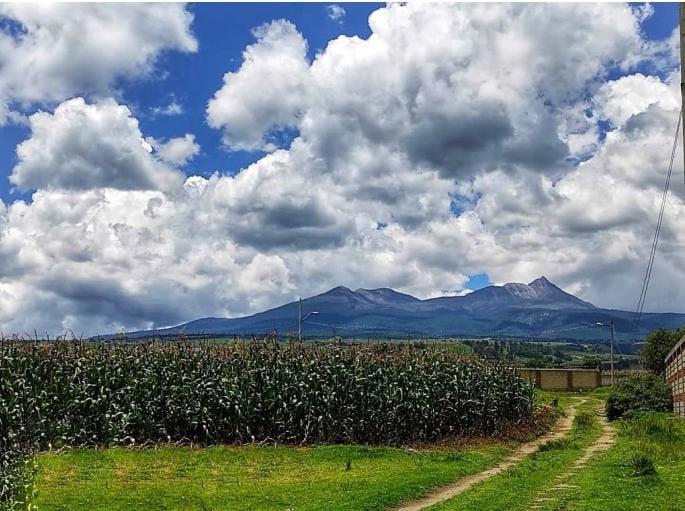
[(606, 379), (563, 379), (675, 375)]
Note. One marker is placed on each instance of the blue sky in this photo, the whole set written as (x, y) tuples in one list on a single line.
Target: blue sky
[(662, 22), (436, 157)]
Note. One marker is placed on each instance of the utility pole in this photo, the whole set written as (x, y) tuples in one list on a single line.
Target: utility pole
[(682, 70), (301, 319), (612, 353), (610, 324)]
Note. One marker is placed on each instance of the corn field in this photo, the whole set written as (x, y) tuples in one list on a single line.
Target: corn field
[(16, 476), (69, 394)]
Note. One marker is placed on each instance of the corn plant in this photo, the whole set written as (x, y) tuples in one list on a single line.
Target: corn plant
[(106, 394)]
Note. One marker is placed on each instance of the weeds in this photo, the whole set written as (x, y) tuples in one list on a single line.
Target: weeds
[(584, 420), (657, 434), (556, 444), (641, 465)]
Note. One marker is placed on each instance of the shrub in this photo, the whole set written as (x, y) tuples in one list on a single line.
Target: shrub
[(641, 465), (642, 392), (591, 362)]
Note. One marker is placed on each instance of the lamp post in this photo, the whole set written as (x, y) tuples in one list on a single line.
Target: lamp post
[(610, 324), (301, 319)]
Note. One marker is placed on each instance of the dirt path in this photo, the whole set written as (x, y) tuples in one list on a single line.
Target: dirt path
[(560, 428), (605, 441)]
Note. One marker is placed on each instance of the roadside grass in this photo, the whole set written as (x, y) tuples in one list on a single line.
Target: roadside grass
[(248, 478), (516, 488), (643, 471)]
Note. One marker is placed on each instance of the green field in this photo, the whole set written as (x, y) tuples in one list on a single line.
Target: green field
[(360, 478), (247, 478), (452, 410)]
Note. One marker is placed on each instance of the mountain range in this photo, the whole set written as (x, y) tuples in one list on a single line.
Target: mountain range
[(539, 310)]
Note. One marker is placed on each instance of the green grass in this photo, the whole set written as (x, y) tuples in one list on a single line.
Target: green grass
[(620, 479), (644, 470), (516, 488), (247, 478), (565, 398)]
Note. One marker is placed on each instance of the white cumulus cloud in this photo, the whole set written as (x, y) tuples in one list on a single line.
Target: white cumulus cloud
[(266, 92), (83, 146), (178, 151), (51, 52)]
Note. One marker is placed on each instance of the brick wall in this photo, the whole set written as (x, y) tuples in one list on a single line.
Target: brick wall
[(675, 375), (563, 379)]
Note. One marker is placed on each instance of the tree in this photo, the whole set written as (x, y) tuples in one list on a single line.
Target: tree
[(592, 361), (657, 345)]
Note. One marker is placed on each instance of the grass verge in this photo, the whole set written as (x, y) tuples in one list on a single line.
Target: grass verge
[(248, 478), (643, 470)]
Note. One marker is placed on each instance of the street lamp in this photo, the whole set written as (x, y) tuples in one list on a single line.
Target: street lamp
[(301, 319), (610, 324)]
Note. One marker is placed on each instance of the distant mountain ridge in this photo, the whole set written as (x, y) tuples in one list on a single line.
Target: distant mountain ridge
[(538, 293), (539, 309)]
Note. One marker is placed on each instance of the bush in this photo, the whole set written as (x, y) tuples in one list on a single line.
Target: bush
[(591, 362), (642, 392)]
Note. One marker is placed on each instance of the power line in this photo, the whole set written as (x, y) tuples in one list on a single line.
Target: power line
[(650, 264)]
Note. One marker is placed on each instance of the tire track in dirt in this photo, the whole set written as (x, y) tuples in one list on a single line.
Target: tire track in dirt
[(606, 439), (559, 430)]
